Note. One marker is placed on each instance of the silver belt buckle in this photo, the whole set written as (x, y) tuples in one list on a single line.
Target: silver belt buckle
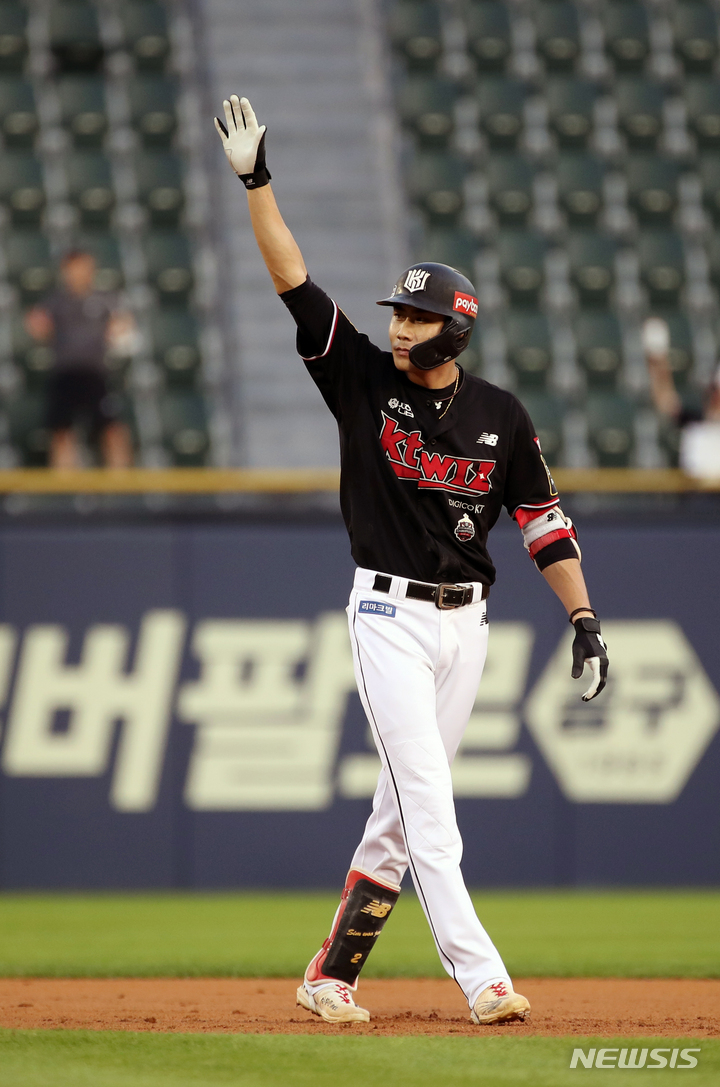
[(440, 596)]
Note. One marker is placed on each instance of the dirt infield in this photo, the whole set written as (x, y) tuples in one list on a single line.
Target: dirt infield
[(600, 1006)]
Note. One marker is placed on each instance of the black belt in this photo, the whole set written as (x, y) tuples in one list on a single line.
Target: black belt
[(442, 596)]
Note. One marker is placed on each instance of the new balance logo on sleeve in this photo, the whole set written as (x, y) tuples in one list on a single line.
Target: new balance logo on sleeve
[(487, 439)]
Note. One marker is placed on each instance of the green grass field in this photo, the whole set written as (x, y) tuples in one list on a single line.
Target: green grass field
[(560, 933)]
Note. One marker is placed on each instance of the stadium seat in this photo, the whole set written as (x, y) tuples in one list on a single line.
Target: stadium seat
[(558, 34), (106, 250), (18, 111), (580, 186), (546, 411), (570, 107), (695, 35), (415, 33), (488, 35), (425, 105), (13, 37), (83, 108), (702, 99), (160, 185), (662, 265), (640, 111), (435, 183), (610, 428), (145, 34), (152, 107), (510, 183), (709, 169), (75, 36), (28, 263), (90, 186), (21, 186), (175, 344), (627, 35), (592, 266), (681, 344), (529, 349), (28, 433), (500, 104), (34, 359), (598, 340), (652, 187), (453, 246), (184, 421), (522, 268), (169, 264)]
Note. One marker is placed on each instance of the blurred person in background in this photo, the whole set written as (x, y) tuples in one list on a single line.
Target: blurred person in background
[(81, 324), (699, 427)]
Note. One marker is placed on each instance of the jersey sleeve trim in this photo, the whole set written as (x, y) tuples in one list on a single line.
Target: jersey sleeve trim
[(520, 517), (331, 337)]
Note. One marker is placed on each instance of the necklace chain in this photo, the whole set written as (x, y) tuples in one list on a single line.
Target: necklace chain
[(457, 382)]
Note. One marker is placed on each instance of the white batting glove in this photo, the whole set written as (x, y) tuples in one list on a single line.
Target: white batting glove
[(244, 142)]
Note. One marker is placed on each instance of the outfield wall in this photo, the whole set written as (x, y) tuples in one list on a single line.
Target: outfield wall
[(179, 711)]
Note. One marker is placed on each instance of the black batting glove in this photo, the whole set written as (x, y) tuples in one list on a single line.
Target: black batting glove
[(589, 647)]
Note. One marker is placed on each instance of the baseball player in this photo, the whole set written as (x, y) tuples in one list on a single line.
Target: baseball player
[(430, 455)]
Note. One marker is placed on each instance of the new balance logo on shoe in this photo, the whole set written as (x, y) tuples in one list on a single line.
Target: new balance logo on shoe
[(377, 909)]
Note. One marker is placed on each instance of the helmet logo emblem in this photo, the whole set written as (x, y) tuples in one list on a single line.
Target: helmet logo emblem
[(415, 280)]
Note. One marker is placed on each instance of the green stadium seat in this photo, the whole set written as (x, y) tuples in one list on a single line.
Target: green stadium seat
[(28, 262), (598, 340), (83, 108), (488, 35), (34, 359), (709, 170), (152, 106), (145, 34), (160, 185), (175, 337), (510, 183), (169, 264), (415, 33), (580, 186), (652, 187), (28, 433), (558, 34), (425, 105), (13, 37), (546, 411), (185, 429), (592, 266), (500, 104), (695, 35), (18, 111), (522, 265), (627, 35), (681, 344), (571, 103), (75, 37), (21, 186), (453, 246), (435, 183), (640, 111), (90, 186), (662, 265), (702, 99), (529, 347), (611, 418), (106, 250)]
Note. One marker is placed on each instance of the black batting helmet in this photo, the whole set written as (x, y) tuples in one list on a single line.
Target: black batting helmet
[(437, 288)]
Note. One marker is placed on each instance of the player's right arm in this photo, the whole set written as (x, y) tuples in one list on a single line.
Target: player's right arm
[(244, 144)]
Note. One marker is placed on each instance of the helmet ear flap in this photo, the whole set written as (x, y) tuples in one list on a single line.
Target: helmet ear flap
[(447, 345)]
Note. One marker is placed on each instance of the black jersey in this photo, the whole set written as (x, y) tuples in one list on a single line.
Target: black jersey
[(419, 492)]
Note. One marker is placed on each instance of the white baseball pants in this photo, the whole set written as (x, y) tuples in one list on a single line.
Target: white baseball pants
[(417, 670)]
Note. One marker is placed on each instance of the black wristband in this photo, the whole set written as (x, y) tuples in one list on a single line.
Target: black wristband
[(574, 613), (257, 179)]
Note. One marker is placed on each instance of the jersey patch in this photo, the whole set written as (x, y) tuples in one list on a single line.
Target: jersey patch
[(375, 607), (433, 471), (464, 529), (465, 303), (404, 409)]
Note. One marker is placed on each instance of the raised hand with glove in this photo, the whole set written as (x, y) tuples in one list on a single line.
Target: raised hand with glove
[(244, 142)]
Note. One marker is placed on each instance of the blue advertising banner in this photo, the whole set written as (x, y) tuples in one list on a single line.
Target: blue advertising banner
[(179, 710)]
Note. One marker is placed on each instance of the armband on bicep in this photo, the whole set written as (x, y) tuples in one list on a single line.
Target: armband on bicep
[(547, 528)]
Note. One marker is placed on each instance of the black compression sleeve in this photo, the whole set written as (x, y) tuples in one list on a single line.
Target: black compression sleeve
[(313, 314), (555, 552)]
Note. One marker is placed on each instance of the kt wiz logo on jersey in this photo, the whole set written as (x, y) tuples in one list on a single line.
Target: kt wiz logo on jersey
[(433, 471)]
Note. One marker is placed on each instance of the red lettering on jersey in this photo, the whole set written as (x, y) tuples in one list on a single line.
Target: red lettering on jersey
[(477, 477), (433, 471), (412, 445), (393, 439), (436, 468)]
